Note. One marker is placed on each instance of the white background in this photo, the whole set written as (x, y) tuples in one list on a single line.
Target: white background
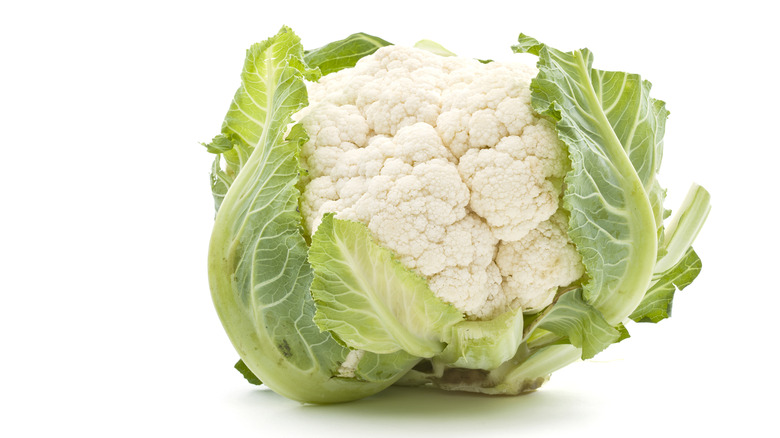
[(106, 323)]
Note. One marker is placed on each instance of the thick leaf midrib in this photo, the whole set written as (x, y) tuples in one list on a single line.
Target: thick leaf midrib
[(625, 177), (259, 156), (614, 148)]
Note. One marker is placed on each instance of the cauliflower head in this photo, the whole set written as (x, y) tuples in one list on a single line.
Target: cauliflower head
[(447, 196), (446, 163)]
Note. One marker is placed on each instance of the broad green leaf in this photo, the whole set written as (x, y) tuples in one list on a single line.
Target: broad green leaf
[(624, 96), (242, 127), (657, 303), (258, 269), (484, 344), (637, 120), (343, 54), (581, 324), (606, 120), (369, 300)]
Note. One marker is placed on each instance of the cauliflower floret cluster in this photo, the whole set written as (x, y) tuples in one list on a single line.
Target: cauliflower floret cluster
[(449, 167)]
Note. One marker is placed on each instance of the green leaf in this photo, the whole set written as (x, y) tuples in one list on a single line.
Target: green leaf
[(227, 163), (220, 144), (581, 323), (637, 120), (625, 96), (527, 44), (657, 303), (368, 300), (433, 47), (678, 265), (258, 269), (384, 367), (623, 332), (247, 373), (683, 227), (484, 344), (610, 125), (220, 182), (343, 54)]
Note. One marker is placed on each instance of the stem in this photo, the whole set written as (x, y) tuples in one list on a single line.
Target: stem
[(536, 369), (684, 227)]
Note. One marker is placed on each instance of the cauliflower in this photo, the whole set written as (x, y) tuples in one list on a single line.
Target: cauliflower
[(447, 164), (390, 215)]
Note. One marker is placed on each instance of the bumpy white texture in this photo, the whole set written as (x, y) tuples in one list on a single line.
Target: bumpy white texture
[(534, 266), (526, 163), (449, 167)]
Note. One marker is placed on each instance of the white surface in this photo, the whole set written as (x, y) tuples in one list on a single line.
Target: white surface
[(106, 322)]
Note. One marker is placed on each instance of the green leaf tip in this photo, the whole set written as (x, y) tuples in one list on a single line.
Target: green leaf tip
[(526, 44), (433, 47), (247, 373), (657, 303), (342, 54), (219, 144)]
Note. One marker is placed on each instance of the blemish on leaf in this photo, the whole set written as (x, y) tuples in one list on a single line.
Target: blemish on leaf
[(284, 347)]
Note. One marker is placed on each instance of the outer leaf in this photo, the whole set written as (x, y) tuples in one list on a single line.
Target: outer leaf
[(220, 182), (612, 221), (241, 129), (368, 300), (343, 54), (625, 96), (232, 152), (657, 303), (678, 265), (582, 324), (384, 367), (484, 344), (258, 271), (637, 120)]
